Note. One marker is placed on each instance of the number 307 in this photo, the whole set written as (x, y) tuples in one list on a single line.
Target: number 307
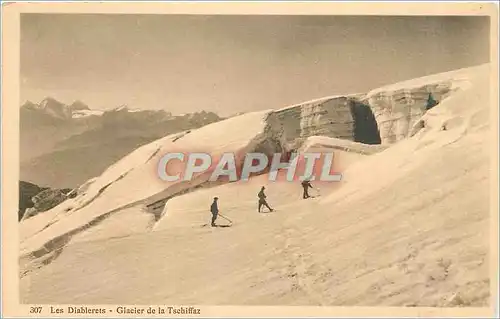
[(36, 310)]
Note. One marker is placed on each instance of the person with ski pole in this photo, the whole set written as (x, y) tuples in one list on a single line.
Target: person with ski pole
[(305, 185), (215, 210), (262, 200)]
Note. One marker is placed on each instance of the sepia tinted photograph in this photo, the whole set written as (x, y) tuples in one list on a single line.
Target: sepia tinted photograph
[(191, 160)]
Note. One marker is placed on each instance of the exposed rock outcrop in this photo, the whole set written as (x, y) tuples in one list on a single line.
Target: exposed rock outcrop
[(26, 192), (47, 199), (34, 199)]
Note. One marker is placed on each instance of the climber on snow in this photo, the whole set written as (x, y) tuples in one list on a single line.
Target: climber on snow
[(305, 185), (262, 200), (215, 210)]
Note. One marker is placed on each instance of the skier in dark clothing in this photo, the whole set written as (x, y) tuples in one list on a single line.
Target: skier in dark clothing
[(215, 211), (262, 200), (305, 185)]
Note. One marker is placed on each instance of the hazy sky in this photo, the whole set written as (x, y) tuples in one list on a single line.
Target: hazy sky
[(230, 64)]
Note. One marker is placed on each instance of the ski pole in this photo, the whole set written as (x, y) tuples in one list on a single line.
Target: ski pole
[(225, 218)]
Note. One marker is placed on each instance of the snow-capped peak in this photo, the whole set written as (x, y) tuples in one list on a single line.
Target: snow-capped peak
[(86, 113), (123, 107)]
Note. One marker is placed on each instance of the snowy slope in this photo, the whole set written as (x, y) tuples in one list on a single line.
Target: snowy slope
[(134, 179), (406, 226)]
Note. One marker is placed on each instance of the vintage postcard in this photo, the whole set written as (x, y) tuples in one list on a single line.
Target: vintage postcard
[(249, 159)]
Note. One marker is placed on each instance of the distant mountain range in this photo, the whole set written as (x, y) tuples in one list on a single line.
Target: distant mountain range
[(64, 145)]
